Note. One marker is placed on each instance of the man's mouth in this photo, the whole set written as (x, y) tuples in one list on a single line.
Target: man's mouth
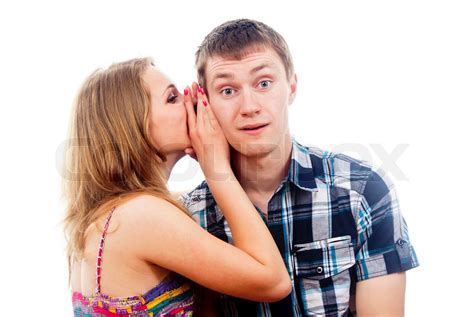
[(254, 128)]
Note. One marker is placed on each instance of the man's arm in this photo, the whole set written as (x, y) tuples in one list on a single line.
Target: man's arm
[(382, 296), (385, 252)]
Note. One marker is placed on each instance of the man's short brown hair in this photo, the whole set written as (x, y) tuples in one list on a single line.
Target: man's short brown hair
[(235, 39)]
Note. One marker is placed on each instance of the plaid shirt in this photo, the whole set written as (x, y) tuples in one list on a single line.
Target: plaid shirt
[(335, 222)]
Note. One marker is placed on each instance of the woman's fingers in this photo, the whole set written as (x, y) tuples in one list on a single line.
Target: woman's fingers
[(201, 113), (209, 117), (210, 145), (194, 90), (213, 123), (191, 115)]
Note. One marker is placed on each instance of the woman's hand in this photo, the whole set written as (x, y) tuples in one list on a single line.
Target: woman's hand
[(207, 138)]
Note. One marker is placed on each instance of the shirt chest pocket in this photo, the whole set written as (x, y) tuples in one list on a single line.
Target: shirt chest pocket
[(323, 275)]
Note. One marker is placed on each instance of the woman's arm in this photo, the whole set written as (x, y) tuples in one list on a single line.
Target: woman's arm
[(162, 234)]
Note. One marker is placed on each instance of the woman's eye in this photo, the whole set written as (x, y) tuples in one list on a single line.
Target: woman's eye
[(172, 98), (264, 83), (227, 91)]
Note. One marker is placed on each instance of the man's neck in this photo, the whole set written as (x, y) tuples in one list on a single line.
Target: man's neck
[(260, 176)]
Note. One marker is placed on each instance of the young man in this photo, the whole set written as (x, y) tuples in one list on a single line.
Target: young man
[(335, 220)]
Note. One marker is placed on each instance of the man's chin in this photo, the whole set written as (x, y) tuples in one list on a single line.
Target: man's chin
[(255, 149)]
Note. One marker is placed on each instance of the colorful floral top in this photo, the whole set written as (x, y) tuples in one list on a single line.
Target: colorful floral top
[(171, 297)]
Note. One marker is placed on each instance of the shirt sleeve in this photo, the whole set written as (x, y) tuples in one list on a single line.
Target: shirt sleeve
[(383, 244)]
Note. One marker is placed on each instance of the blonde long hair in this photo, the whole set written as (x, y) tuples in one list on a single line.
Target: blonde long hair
[(110, 156)]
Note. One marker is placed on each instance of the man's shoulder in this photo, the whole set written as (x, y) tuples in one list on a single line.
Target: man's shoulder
[(337, 169)]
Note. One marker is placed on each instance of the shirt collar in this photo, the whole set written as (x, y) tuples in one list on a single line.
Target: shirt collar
[(303, 168)]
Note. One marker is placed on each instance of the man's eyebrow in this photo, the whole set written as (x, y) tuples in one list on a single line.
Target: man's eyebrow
[(260, 67), (230, 75), (169, 86), (222, 76)]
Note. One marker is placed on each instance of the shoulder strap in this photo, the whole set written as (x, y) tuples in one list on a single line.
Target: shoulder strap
[(101, 251)]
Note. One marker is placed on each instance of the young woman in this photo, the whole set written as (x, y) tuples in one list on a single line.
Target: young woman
[(133, 250)]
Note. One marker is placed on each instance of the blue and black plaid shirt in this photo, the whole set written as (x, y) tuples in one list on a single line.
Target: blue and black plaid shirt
[(335, 222)]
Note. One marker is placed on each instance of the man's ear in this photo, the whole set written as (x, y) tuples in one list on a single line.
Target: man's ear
[(293, 88)]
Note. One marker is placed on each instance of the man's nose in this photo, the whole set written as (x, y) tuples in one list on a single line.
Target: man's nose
[(249, 103)]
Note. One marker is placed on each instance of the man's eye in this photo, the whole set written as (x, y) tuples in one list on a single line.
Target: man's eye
[(227, 91), (264, 83)]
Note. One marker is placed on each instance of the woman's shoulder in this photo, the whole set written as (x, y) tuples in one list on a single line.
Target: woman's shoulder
[(142, 207), (142, 218)]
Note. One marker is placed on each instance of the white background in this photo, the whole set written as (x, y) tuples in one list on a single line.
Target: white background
[(370, 72)]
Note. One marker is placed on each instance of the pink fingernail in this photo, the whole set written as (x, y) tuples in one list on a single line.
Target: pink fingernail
[(186, 91), (204, 102)]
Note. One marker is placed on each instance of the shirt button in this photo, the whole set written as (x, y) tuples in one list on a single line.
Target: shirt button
[(401, 242), (319, 270)]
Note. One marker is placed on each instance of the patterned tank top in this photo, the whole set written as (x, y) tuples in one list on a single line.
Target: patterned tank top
[(171, 297)]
